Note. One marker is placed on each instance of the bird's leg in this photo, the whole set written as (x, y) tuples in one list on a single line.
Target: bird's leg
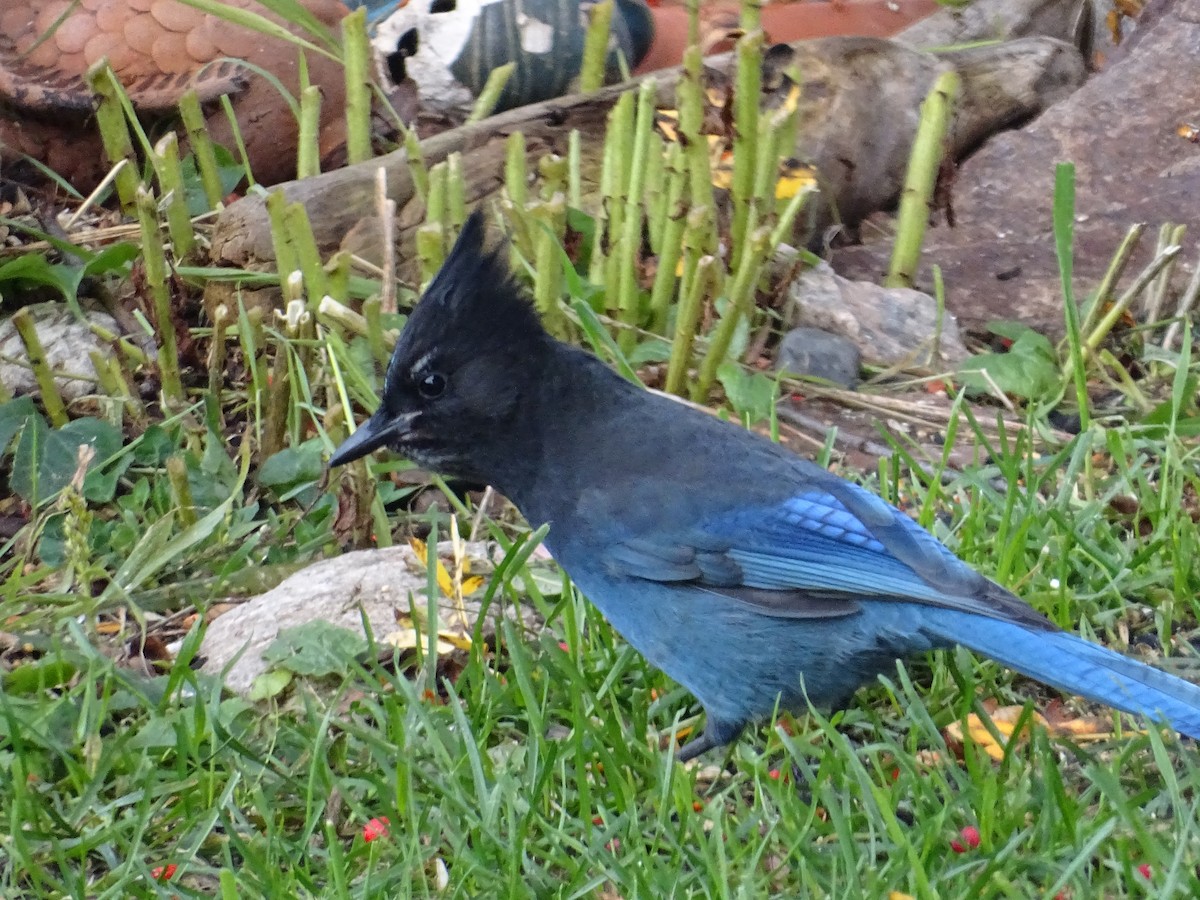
[(716, 734)]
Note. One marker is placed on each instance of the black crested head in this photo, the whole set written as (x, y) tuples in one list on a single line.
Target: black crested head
[(473, 304), (468, 355)]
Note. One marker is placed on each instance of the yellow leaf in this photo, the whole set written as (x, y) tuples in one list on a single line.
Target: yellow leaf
[(1005, 721), (444, 579)]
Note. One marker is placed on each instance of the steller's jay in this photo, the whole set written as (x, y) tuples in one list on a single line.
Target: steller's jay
[(747, 574)]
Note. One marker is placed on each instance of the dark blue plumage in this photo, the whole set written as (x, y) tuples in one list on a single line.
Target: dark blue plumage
[(747, 574)]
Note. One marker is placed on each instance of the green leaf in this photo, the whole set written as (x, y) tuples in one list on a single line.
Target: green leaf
[(316, 649), (43, 674), (26, 478), (751, 394), (292, 466), (46, 460), (13, 416), (270, 684), (1029, 369)]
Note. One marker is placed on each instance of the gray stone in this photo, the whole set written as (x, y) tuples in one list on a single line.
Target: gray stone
[(889, 326), (819, 354), (67, 342), (1131, 165), (372, 584)]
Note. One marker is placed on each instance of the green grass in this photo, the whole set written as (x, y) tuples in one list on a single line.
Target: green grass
[(540, 772), (530, 770)]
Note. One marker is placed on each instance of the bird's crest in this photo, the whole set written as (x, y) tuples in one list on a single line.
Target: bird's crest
[(473, 306)]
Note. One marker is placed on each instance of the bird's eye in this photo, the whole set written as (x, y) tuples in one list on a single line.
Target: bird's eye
[(432, 385)]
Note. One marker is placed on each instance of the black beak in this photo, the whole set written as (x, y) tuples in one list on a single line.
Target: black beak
[(371, 435)]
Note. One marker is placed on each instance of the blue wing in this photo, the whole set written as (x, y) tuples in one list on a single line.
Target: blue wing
[(817, 553)]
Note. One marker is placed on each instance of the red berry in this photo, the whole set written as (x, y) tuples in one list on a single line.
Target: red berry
[(969, 840), (375, 829)]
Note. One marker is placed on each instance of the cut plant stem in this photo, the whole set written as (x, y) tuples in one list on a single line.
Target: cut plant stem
[(359, 60), (670, 239), (741, 303), (1116, 268), (626, 255), (155, 259), (308, 150), (56, 409), (749, 156), (687, 319), (202, 148), (170, 182), (114, 131), (493, 88), (916, 199), (181, 491), (595, 46)]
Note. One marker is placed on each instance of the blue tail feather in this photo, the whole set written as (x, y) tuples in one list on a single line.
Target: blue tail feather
[(1076, 666)]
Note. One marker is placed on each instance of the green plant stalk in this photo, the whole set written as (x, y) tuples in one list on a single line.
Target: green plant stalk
[(1064, 243), (690, 99), (619, 139), (489, 97), (337, 275), (687, 319), (616, 135), (670, 241), (552, 170), (308, 147), (1113, 314), (1187, 300), (929, 148), (359, 59), (574, 170), (332, 312), (239, 142), (165, 160), (1116, 268), (761, 198), (287, 258), (655, 191), (108, 378), (202, 148), (133, 403), (595, 46), (251, 340), (56, 409), (629, 244), (431, 237), (415, 158), (217, 352), (456, 200), (114, 132), (308, 257), (128, 349), (694, 242), (278, 399), (516, 186), (785, 227), (1169, 236), (549, 217), (181, 492), (155, 260), (741, 303), (748, 156), (371, 308)]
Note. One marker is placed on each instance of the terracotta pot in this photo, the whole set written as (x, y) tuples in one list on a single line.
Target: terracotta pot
[(782, 22)]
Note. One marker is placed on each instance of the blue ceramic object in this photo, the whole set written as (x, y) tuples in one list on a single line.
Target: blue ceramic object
[(449, 47)]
